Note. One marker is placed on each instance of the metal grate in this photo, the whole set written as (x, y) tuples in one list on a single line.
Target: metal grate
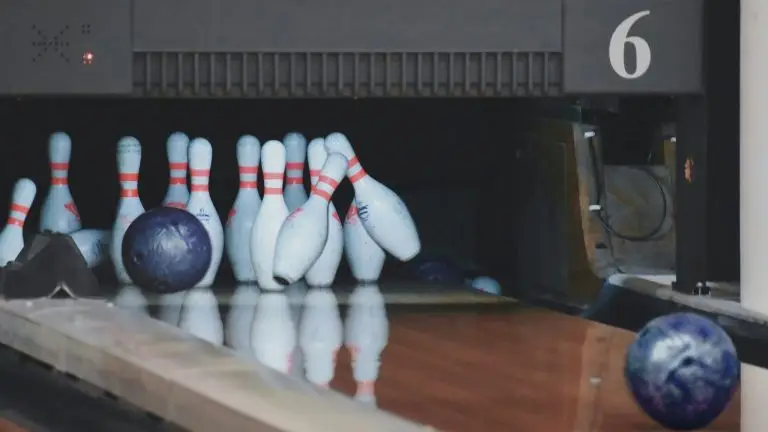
[(217, 74)]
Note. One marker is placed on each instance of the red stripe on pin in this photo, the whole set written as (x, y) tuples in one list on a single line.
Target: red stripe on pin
[(199, 188), (18, 208), (248, 185), (15, 221), (321, 193), (199, 172), (177, 166), (129, 193), (128, 177), (178, 181)]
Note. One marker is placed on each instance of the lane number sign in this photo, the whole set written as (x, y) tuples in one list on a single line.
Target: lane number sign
[(632, 46), (621, 40)]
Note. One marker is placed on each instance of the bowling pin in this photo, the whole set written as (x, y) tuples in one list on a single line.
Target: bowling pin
[(59, 213), (383, 214), (201, 206), (295, 154), (272, 214), (242, 309), (93, 245), (177, 194), (304, 234), (244, 210), (12, 236), (131, 299), (320, 335), (273, 336), (129, 207), (323, 271), (364, 256), (200, 315), (366, 334)]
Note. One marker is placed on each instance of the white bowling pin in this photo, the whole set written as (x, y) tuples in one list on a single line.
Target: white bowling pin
[(295, 154), (273, 336), (486, 284), (12, 236), (366, 334), (244, 210), (364, 256), (200, 315), (323, 271), (131, 299), (177, 194), (201, 206), (320, 335), (93, 244), (272, 214), (242, 310), (383, 213), (304, 234), (129, 207), (59, 213)]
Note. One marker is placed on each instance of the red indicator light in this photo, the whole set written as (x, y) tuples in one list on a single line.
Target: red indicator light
[(87, 58)]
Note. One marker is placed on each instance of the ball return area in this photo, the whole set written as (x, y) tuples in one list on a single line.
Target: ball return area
[(576, 52)]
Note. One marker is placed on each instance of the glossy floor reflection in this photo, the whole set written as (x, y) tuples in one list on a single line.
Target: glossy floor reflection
[(453, 359)]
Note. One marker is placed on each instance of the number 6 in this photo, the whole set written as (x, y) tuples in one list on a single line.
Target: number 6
[(619, 39)]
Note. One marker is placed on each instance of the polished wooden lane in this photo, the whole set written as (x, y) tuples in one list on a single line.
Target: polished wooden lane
[(523, 369)]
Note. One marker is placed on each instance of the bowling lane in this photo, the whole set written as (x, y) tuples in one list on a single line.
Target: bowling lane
[(519, 369)]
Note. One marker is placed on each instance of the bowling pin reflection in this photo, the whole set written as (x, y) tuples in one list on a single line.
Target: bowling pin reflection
[(296, 293), (200, 315), (320, 335), (366, 335), (273, 335), (240, 317), (170, 306), (130, 298)]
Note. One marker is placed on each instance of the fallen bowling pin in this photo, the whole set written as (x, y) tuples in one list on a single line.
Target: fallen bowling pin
[(323, 271), (303, 236), (12, 236), (383, 214), (93, 244)]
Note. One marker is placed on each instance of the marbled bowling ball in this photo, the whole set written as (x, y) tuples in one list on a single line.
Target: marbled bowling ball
[(436, 269), (682, 370), (166, 250)]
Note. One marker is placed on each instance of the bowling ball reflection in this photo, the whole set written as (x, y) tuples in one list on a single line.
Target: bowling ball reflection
[(166, 250), (682, 370)]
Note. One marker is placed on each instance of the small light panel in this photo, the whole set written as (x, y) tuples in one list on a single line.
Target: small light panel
[(87, 58)]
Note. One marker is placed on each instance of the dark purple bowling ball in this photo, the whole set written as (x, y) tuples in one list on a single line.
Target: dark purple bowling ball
[(166, 250), (682, 370)]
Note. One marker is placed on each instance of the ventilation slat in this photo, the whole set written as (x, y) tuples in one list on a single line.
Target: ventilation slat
[(347, 74)]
